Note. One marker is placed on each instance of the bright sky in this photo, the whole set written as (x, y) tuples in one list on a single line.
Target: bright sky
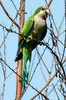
[(57, 10)]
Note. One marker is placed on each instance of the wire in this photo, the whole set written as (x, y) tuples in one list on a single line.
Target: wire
[(22, 79), (62, 21), (42, 43), (54, 23), (42, 60), (39, 42), (15, 6), (10, 74), (52, 18), (7, 32), (65, 33)]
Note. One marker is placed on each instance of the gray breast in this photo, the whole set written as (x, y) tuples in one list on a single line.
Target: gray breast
[(39, 27)]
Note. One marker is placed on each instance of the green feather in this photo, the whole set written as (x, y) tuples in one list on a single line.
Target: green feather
[(37, 10), (26, 65), (27, 46), (27, 27), (25, 31)]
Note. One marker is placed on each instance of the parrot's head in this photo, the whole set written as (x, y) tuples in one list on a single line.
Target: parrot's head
[(43, 12)]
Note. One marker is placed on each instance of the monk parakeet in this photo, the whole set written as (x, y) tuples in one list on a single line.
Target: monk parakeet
[(34, 27)]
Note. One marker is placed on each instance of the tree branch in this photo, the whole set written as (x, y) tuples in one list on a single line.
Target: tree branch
[(49, 3), (39, 42), (45, 85), (8, 14), (58, 71), (22, 78)]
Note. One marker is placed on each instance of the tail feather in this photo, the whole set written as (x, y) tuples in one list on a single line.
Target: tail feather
[(26, 65), (19, 54), (25, 55)]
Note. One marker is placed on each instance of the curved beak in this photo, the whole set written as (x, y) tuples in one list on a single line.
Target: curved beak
[(47, 13)]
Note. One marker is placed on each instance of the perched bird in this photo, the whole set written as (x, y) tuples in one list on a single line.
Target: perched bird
[(35, 27)]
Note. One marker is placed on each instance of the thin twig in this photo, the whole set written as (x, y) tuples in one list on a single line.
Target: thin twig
[(49, 3), (46, 84), (55, 37), (8, 14), (39, 42), (7, 32), (22, 78), (49, 80), (10, 74)]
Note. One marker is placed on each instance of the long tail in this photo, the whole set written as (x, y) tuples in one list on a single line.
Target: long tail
[(26, 65)]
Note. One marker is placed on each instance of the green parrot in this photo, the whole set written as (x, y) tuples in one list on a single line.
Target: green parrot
[(35, 27)]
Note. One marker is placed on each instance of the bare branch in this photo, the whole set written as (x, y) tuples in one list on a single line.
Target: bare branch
[(49, 80), (0, 2), (56, 37), (39, 42), (8, 14), (50, 2), (46, 84), (22, 78)]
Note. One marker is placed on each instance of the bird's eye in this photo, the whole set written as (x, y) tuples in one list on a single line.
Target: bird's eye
[(43, 8)]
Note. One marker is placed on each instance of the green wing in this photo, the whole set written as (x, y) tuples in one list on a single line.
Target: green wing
[(25, 31), (27, 27)]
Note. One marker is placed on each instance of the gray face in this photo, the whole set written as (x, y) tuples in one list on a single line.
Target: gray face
[(44, 13)]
